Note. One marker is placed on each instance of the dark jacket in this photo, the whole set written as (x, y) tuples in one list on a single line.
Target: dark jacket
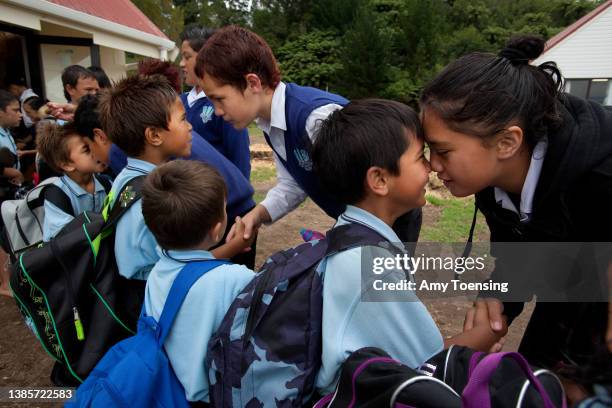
[(572, 203)]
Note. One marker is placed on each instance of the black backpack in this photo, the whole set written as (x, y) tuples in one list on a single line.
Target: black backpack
[(454, 378), (71, 294)]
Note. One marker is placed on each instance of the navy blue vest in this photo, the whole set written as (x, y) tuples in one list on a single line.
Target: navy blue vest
[(231, 143), (300, 101)]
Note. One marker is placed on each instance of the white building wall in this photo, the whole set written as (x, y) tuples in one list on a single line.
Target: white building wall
[(113, 63), (54, 59), (587, 52)]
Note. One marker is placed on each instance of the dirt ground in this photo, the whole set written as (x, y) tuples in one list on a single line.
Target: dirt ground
[(23, 362)]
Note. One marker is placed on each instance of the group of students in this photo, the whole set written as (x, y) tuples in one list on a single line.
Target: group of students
[(539, 162)]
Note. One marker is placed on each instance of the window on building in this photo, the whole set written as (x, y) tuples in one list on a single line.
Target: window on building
[(598, 89)]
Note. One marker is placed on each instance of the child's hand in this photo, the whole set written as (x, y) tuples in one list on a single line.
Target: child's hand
[(238, 241), (252, 221), (15, 176), (482, 320), (495, 310)]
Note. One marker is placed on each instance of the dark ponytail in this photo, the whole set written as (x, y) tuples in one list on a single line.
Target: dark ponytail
[(481, 94)]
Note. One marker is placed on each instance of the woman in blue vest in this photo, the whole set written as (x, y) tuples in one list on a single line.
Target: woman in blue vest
[(231, 143)]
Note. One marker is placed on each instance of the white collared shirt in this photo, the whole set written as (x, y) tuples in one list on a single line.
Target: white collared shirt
[(529, 187), (193, 96), (287, 194)]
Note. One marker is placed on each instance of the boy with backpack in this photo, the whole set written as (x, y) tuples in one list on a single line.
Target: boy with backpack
[(79, 189), (144, 117), (370, 155), (183, 205), (186, 236), (289, 331)]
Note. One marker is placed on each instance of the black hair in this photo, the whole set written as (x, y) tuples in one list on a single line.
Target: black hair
[(131, 106), (366, 133), (35, 102), (196, 36), (19, 81), (71, 76), (6, 98), (481, 94), (101, 77), (86, 117)]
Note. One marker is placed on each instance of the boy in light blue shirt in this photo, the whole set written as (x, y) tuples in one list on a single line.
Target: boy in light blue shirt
[(183, 203), (370, 156), (67, 152), (144, 117)]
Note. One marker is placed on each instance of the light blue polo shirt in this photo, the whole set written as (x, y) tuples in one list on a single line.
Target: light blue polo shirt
[(134, 243), (199, 316), (405, 330), (81, 200), (6, 140)]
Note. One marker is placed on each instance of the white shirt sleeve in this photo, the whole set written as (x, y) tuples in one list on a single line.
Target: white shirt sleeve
[(317, 116), (287, 194)]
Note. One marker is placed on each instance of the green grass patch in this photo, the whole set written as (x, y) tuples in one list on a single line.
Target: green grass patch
[(453, 224), (261, 174), (258, 197), (256, 134)]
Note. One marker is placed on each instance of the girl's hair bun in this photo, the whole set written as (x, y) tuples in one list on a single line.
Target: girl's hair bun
[(520, 50)]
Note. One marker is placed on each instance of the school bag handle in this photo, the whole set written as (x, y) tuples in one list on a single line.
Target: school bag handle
[(476, 392), (183, 282)]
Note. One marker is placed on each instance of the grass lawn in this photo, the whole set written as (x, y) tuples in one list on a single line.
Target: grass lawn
[(454, 221)]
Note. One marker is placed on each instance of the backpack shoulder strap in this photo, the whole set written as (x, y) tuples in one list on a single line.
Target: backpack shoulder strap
[(113, 210), (58, 198), (183, 282), (351, 235)]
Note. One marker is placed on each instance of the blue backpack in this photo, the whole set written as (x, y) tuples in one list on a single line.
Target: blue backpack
[(136, 373), (267, 350)]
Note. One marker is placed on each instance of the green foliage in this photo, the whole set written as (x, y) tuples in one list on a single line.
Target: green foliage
[(366, 48), (310, 59), (164, 14)]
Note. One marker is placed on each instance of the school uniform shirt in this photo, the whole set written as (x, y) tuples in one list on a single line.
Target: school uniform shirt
[(199, 316), (239, 189), (134, 243), (529, 186), (295, 117), (7, 141), (233, 144), (572, 202), (81, 200), (404, 329)]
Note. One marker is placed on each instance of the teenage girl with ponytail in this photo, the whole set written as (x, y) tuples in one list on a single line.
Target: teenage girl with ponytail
[(540, 164)]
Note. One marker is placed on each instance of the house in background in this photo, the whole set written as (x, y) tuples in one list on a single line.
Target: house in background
[(39, 38), (583, 53)]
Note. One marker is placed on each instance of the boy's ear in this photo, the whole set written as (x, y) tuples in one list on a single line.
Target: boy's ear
[(253, 83), (377, 181), (509, 142), (153, 137), (67, 167), (101, 137), (216, 233)]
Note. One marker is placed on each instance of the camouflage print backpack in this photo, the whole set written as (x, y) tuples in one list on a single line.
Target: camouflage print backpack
[(267, 350)]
